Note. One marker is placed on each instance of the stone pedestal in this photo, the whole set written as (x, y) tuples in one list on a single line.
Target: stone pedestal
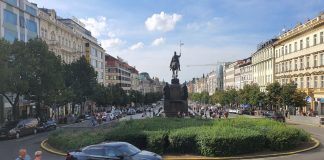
[(176, 101)]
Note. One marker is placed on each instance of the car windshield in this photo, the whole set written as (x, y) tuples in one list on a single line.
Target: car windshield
[(128, 149)]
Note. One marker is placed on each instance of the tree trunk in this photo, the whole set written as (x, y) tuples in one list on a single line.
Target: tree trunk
[(14, 105)]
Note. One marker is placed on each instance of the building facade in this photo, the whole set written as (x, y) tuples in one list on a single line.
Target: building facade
[(90, 48), (135, 81), (245, 72), (299, 58), (229, 75), (18, 20), (61, 39), (117, 73), (263, 64)]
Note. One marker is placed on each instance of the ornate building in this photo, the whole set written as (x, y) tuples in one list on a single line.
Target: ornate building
[(61, 39), (263, 64), (299, 58)]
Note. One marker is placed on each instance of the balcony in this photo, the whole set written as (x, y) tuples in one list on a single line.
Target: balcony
[(53, 42)]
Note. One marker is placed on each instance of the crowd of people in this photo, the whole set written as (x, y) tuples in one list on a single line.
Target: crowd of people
[(23, 155)]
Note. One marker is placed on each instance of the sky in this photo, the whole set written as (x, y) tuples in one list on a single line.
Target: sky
[(145, 33)]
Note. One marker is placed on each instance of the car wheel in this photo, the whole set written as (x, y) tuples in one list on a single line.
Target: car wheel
[(17, 135), (35, 131)]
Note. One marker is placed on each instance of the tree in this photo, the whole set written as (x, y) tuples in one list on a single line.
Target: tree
[(298, 99), (288, 91), (46, 80), (16, 67), (82, 79), (274, 92)]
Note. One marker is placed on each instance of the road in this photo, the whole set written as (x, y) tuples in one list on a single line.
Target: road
[(316, 154), (9, 148)]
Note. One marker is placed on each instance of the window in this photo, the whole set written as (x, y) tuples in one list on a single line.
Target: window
[(314, 39), (289, 50), (277, 68), (301, 82), (286, 50), (315, 81), (102, 65), (307, 62), (301, 45), (315, 60), (12, 2), (290, 62), (31, 10), (295, 47), (276, 53), (322, 81), (307, 82), (296, 64), (282, 51), (10, 35), (95, 150), (296, 80), (31, 26), (322, 59), (321, 37), (301, 63), (10, 17), (307, 42), (22, 36), (21, 21), (52, 35)]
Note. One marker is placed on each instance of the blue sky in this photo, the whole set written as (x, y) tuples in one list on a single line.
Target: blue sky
[(146, 32)]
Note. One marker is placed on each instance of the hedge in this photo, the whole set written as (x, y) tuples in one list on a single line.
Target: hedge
[(190, 136)]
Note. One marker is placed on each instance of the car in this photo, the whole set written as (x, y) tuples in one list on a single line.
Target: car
[(47, 126), (112, 150), (20, 128), (277, 116), (4, 130)]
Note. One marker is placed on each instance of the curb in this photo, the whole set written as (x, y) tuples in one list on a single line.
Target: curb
[(43, 146), (313, 125), (317, 143)]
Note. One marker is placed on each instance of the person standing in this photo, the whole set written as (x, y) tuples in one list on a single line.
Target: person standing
[(38, 155), (23, 155)]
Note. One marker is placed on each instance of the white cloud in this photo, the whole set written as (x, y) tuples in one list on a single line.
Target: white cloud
[(162, 22), (111, 43), (212, 24), (98, 26), (136, 46), (158, 41)]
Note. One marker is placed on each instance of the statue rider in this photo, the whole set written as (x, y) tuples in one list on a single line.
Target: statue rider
[(175, 59)]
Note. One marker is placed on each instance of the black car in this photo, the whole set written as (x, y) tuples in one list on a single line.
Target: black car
[(277, 116), (47, 126), (4, 130), (112, 150), (19, 128)]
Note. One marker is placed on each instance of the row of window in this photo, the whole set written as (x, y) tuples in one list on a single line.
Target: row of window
[(265, 79), (306, 82), (62, 41), (97, 64), (301, 44), (96, 53), (116, 70), (264, 54), (289, 66), (11, 18), (263, 66), (118, 78)]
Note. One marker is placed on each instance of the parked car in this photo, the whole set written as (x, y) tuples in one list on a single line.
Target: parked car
[(20, 128), (277, 116), (112, 150), (4, 130), (47, 126)]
